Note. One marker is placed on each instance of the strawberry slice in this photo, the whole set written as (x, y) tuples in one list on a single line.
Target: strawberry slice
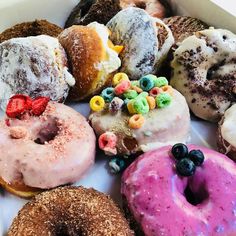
[(39, 105), (17, 105)]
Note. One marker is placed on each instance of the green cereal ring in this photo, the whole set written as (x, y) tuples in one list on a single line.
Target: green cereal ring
[(143, 94), (130, 94), (163, 100), (160, 82), (135, 83), (140, 105)]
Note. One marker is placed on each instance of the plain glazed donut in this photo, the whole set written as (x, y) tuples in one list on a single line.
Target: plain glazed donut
[(159, 200), (45, 151), (146, 41), (226, 138), (70, 211), (204, 72)]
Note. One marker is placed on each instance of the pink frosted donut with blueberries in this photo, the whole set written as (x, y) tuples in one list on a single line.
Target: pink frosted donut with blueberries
[(159, 199)]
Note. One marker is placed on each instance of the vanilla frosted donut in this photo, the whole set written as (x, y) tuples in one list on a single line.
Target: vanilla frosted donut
[(162, 127), (204, 71), (46, 151), (146, 41), (161, 201), (227, 133), (36, 66)]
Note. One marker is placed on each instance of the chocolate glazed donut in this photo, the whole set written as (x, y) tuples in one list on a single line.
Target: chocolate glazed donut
[(70, 211), (204, 71)]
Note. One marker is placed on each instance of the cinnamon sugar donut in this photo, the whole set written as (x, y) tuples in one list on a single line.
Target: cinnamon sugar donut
[(45, 151), (70, 211), (204, 69), (36, 66)]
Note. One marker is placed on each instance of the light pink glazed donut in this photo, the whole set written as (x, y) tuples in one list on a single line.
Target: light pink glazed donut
[(46, 151), (157, 197)]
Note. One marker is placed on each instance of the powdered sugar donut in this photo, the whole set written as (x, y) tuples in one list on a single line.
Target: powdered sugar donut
[(45, 151), (204, 71), (165, 203), (36, 66), (146, 41)]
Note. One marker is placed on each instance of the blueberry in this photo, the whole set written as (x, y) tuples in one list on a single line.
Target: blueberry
[(185, 167), (197, 157), (179, 151)]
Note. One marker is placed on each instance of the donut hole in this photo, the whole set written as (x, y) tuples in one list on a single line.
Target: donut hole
[(47, 132), (196, 194), (214, 69)]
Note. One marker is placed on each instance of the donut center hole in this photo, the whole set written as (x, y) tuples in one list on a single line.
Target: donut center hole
[(211, 72), (48, 132), (196, 194)]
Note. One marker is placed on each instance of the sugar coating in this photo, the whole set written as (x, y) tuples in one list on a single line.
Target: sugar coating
[(35, 66)]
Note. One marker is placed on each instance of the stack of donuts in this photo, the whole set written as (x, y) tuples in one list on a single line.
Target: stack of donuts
[(144, 73)]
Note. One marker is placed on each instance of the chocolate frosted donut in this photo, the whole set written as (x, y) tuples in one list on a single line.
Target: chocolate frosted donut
[(70, 211), (36, 66), (88, 11), (34, 28), (184, 26), (204, 69), (146, 41)]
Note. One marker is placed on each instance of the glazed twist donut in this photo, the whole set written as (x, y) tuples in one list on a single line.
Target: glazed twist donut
[(70, 211), (204, 71)]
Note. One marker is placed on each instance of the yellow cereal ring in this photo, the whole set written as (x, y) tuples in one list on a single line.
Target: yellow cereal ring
[(118, 78), (136, 121), (167, 89), (97, 103), (136, 88), (151, 102), (131, 108)]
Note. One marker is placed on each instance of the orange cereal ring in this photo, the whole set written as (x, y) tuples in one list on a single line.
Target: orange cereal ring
[(151, 102), (167, 89), (137, 89), (136, 121)]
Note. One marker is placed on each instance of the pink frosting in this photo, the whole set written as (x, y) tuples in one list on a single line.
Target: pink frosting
[(155, 195), (60, 160)]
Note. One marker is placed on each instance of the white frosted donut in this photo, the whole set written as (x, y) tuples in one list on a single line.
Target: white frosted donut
[(46, 151), (146, 41), (35, 66), (204, 69)]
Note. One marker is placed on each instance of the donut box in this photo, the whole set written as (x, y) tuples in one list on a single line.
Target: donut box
[(57, 11)]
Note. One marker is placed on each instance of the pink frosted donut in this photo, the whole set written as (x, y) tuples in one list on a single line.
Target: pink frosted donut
[(46, 151), (159, 200)]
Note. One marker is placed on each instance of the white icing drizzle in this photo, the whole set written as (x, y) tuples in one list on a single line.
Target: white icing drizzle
[(113, 62)]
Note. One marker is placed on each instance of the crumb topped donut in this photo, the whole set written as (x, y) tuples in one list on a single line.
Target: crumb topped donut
[(36, 66), (146, 41), (43, 149), (163, 202), (70, 211), (204, 71)]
